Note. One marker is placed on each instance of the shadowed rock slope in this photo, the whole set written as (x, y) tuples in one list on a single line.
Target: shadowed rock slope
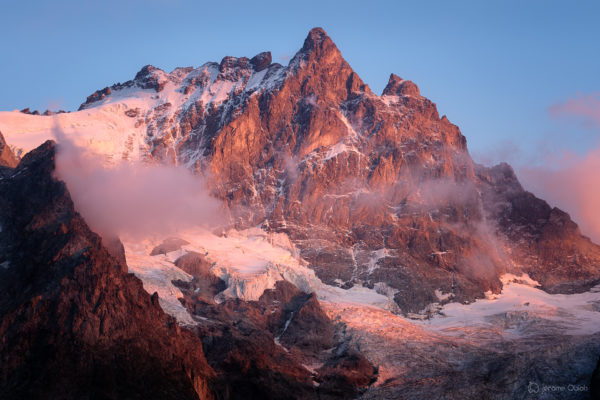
[(74, 323)]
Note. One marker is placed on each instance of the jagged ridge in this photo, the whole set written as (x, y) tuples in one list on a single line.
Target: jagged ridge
[(372, 189)]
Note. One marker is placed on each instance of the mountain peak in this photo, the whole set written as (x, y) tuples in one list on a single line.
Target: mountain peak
[(261, 61), (319, 46), (400, 87), (151, 77), (321, 70), (316, 37)]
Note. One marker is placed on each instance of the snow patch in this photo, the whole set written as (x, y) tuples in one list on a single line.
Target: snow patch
[(249, 261), (217, 93), (519, 308), (441, 296), (375, 257), (339, 148), (255, 80), (157, 274), (390, 100), (352, 135), (287, 324)]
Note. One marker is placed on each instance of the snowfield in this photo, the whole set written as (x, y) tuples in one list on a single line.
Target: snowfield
[(252, 260), (249, 262), (105, 130), (521, 309), (116, 126)]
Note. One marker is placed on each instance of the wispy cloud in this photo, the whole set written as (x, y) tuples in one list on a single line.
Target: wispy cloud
[(584, 107), (572, 183), (285, 57), (134, 198), (569, 180)]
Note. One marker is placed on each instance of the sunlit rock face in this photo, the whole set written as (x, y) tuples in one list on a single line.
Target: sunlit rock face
[(354, 217), (7, 157), (370, 188)]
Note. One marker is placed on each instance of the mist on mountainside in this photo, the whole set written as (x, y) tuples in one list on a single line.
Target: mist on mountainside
[(134, 198)]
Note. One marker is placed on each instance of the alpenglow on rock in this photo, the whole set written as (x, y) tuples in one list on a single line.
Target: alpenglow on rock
[(374, 190)]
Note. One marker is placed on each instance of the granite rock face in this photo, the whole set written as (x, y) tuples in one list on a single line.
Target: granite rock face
[(378, 191)]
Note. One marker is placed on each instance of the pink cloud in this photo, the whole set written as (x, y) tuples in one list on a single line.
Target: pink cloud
[(572, 183), (285, 57), (583, 106), (134, 198), (568, 180)]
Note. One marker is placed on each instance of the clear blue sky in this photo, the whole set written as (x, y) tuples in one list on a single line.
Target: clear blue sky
[(493, 67)]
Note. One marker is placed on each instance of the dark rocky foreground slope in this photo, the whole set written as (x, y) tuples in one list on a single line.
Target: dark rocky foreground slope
[(75, 324)]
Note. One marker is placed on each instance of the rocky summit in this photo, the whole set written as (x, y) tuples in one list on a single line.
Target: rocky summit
[(372, 189), (364, 253)]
